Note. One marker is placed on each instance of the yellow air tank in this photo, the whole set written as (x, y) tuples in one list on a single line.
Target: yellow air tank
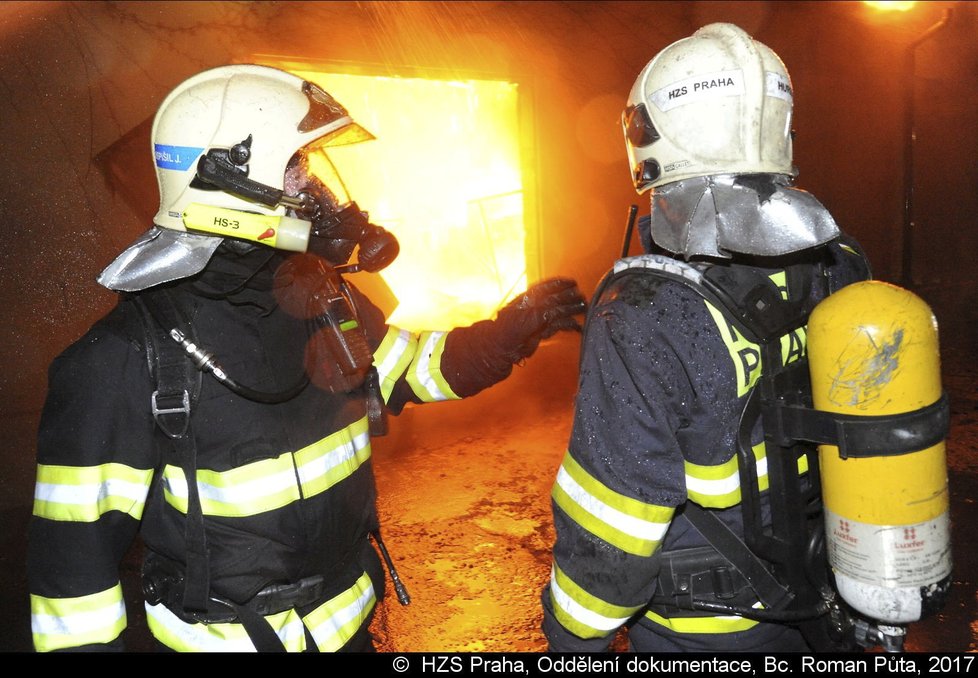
[(873, 350)]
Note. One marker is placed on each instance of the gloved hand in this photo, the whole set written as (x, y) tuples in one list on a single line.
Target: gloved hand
[(546, 308)]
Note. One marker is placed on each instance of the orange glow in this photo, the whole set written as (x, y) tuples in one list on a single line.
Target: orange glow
[(891, 6), (444, 176)]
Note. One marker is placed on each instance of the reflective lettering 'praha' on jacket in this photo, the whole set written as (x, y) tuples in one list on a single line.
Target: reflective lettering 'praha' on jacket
[(286, 490), (663, 382)]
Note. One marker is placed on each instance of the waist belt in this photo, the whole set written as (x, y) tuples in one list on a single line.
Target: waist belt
[(163, 583), (699, 574)]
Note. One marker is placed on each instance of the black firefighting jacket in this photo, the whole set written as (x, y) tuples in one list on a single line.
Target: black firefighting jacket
[(664, 379), (286, 490)]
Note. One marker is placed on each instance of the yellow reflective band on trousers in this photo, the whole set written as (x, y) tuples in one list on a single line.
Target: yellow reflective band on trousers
[(632, 525), (58, 623), (332, 624), (393, 357), (84, 493), (270, 484), (721, 624), (581, 613), (425, 375)]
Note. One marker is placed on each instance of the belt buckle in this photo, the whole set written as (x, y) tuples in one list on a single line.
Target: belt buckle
[(281, 597)]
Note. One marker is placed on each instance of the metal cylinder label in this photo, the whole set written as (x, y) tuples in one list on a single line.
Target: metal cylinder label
[(890, 555)]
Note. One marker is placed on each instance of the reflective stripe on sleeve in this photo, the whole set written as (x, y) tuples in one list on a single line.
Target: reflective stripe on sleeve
[(425, 375), (333, 623), (58, 623), (632, 525), (270, 484), (393, 357), (582, 613), (719, 486), (85, 493)]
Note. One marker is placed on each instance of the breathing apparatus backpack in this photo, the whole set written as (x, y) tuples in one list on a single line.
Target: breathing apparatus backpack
[(790, 555)]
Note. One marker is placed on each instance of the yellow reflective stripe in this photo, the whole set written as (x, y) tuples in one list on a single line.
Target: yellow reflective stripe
[(393, 357), (781, 280), (334, 458), (254, 488), (270, 484), (183, 636), (722, 624), (333, 623), (58, 623), (425, 375), (794, 345), (632, 525), (802, 465), (719, 486), (583, 614), (85, 493), (745, 355)]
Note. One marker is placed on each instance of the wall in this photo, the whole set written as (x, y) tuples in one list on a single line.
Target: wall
[(78, 79)]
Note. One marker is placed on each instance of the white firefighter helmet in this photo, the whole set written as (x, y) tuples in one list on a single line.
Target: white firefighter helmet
[(717, 102), (254, 118), (708, 130)]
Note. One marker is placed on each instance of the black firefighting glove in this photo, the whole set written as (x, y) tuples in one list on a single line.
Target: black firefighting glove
[(546, 308), (478, 356)]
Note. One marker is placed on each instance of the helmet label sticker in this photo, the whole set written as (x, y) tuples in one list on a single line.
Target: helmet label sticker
[(776, 85), (176, 157), (698, 88)]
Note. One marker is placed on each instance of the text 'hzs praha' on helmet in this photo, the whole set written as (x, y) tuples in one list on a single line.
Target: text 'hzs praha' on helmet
[(707, 112), (223, 143)]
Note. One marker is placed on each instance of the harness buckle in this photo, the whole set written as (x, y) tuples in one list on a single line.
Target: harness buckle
[(182, 410)]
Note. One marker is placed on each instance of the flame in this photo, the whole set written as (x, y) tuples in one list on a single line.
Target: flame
[(444, 177), (890, 5)]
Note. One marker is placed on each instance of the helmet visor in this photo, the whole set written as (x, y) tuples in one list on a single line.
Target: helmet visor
[(638, 127)]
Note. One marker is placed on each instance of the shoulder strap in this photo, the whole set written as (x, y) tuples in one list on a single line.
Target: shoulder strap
[(177, 387), (177, 381), (750, 300)]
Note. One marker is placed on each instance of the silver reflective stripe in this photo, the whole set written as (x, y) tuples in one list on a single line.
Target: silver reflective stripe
[(580, 613), (636, 527), (422, 369)]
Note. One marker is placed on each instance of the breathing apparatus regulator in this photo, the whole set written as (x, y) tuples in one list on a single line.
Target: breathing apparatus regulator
[(318, 214), (862, 541)]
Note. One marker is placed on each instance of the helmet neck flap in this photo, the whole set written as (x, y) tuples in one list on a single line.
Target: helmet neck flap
[(719, 216)]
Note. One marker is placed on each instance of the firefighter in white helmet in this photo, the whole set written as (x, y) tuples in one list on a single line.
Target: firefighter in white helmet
[(224, 409), (675, 515)]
